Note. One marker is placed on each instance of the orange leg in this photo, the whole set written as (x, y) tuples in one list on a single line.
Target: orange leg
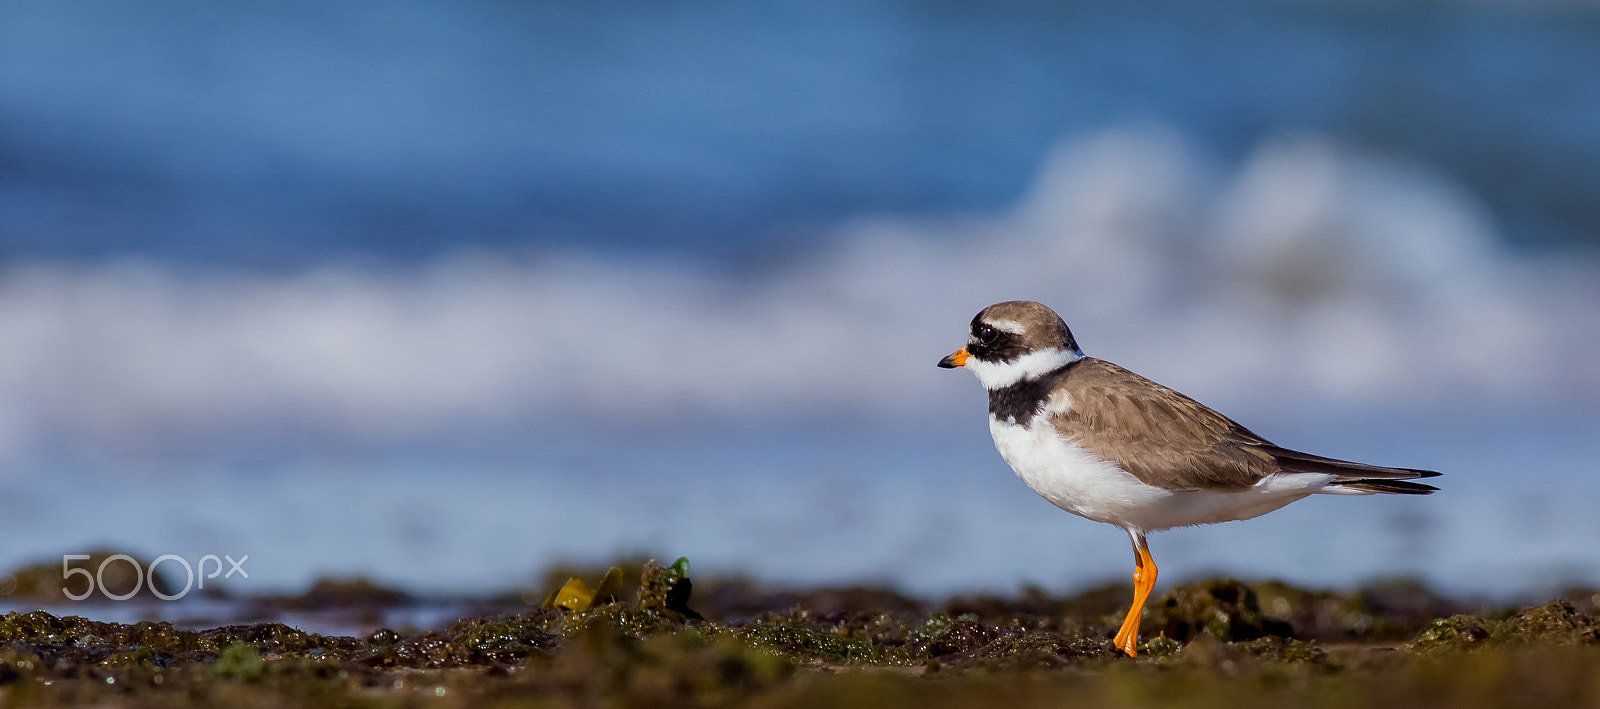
[(1144, 581)]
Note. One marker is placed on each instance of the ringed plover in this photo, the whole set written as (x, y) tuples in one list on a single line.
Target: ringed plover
[(1104, 443)]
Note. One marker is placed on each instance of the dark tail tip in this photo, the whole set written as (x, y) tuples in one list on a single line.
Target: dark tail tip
[(1391, 487)]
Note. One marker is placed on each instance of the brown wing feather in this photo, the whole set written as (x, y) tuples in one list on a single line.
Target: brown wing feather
[(1158, 435)]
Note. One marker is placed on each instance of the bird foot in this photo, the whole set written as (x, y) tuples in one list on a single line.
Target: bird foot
[(1128, 643)]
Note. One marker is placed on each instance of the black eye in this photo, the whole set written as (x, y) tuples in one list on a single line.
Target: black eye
[(987, 335)]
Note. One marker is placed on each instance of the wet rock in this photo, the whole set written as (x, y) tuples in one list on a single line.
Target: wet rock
[(1035, 649), (1207, 651), (666, 590), (1473, 635), (742, 601), (1454, 633), (1281, 649), (799, 634), (1554, 622), (1224, 608), (960, 636), (505, 640), (1392, 610), (1400, 608), (348, 593), (637, 654), (47, 581), (1088, 607), (431, 650), (37, 626), (239, 661), (1583, 599), (273, 638), (1320, 614), (1557, 622)]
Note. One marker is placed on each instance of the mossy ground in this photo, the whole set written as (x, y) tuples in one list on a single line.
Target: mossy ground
[(1217, 643)]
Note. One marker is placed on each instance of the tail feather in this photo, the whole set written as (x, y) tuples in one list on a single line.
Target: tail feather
[(1390, 487), (1355, 476)]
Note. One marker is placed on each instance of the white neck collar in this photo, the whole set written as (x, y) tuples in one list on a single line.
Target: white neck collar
[(999, 375)]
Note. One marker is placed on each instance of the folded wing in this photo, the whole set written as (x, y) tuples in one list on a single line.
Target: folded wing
[(1173, 442)]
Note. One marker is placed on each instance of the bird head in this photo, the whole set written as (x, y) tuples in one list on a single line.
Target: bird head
[(1015, 341)]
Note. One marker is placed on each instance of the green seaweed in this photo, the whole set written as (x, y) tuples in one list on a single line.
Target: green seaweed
[(1223, 608), (1555, 623), (799, 636)]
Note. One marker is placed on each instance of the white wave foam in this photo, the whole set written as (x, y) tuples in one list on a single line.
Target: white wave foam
[(1312, 272)]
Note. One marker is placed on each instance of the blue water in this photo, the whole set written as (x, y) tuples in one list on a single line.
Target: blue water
[(930, 514), (282, 134)]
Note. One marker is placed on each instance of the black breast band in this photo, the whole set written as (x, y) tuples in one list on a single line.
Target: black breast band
[(1020, 402)]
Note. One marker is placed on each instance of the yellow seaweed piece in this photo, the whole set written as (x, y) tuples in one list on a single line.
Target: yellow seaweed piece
[(610, 588), (576, 596)]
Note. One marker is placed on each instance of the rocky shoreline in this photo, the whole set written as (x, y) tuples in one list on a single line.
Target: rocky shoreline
[(659, 641)]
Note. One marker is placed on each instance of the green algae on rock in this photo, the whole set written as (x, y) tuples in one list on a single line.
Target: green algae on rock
[(1554, 623), (648, 653), (666, 590), (1223, 608)]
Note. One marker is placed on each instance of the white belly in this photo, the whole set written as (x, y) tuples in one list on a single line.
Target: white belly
[(1079, 482)]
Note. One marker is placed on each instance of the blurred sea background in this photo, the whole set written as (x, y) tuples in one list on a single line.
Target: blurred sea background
[(444, 293)]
